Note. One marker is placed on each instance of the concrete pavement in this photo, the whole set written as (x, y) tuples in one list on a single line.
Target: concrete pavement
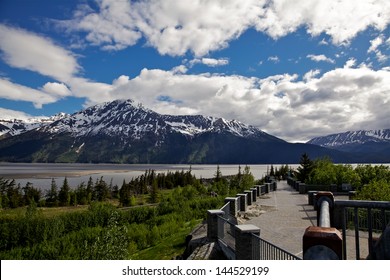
[(284, 220), (283, 217)]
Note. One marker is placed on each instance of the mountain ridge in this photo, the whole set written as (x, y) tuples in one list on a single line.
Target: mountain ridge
[(374, 145), (352, 137), (121, 131)]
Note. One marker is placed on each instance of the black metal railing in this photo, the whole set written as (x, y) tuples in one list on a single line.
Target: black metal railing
[(370, 216), (264, 250), (226, 232)]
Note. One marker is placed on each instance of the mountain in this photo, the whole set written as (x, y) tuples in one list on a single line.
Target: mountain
[(123, 132), (374, 145), (12, 127)]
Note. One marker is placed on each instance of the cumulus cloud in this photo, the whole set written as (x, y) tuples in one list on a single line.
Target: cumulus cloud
[(311, 74), (12, 91), (375, 43), (58, 89), (212, 62), (172, 27), (341, 20), (175, 27), (27, 50), (320, 57), (337, 100), (374, 48), (7, 114)]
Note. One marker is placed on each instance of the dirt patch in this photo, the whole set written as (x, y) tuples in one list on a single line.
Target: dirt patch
[(253, 211)]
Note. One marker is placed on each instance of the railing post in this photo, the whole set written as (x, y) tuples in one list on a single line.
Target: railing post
[(244, 240), (249, 197), (302, 188), (212, 223), (233, 201), (267, 187), (310, 196), (296, 185), (381, 250), (258, 190), (243, 201), (254, 194)]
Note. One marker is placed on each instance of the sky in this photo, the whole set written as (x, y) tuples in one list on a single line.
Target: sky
[(294, 69)]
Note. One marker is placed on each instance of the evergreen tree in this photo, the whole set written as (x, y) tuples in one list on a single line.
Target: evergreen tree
[(218, 175), (154, 193), (305, 169), (64, 194), (81, 194), (52, 194), (15, 196), (272, 173), (101, 190), (124, 194), (90, 190), (31, 194)]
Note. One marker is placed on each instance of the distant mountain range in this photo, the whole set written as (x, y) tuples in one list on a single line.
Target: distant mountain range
[(12, 127), (372, 145), (124, 132)]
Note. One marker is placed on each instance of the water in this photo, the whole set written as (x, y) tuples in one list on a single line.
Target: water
[(41, 174)]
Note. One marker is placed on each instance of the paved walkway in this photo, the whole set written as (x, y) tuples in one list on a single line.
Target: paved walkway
[(286, 216)]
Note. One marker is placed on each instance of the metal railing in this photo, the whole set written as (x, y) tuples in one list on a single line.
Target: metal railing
[(264, 250), (370, 216), (227, 216), (226, 232)]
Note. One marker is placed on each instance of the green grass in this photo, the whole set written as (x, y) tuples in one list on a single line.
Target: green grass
[(170, 247)]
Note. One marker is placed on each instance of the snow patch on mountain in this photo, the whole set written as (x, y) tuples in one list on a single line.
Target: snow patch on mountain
[(12, 127), (352, 137), (126, 119)]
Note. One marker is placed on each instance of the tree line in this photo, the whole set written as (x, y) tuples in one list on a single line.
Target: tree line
[(12, 195), (371, 182), (107, 232)]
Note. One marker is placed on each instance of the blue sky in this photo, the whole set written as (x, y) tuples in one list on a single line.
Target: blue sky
[(295, 69)]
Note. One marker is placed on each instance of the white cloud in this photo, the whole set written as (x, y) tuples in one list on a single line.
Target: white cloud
[(323, 42), (341, 20), (12, 91), (338, 100), (375, 44), (311, 74), (58, 89), (180, 69), (26, 50), (341, 99), (211, 62), (320, 57), (175, 27), (274, 59), (7, 114), (172, 27), (350, 63)]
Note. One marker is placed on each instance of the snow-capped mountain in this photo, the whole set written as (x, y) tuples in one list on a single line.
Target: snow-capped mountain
[(124, 132), (352, 138), (128, 120), (371, 145), (12, 127)]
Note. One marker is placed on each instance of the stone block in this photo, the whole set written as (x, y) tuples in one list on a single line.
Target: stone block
[(212, 223), (244, 239)]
